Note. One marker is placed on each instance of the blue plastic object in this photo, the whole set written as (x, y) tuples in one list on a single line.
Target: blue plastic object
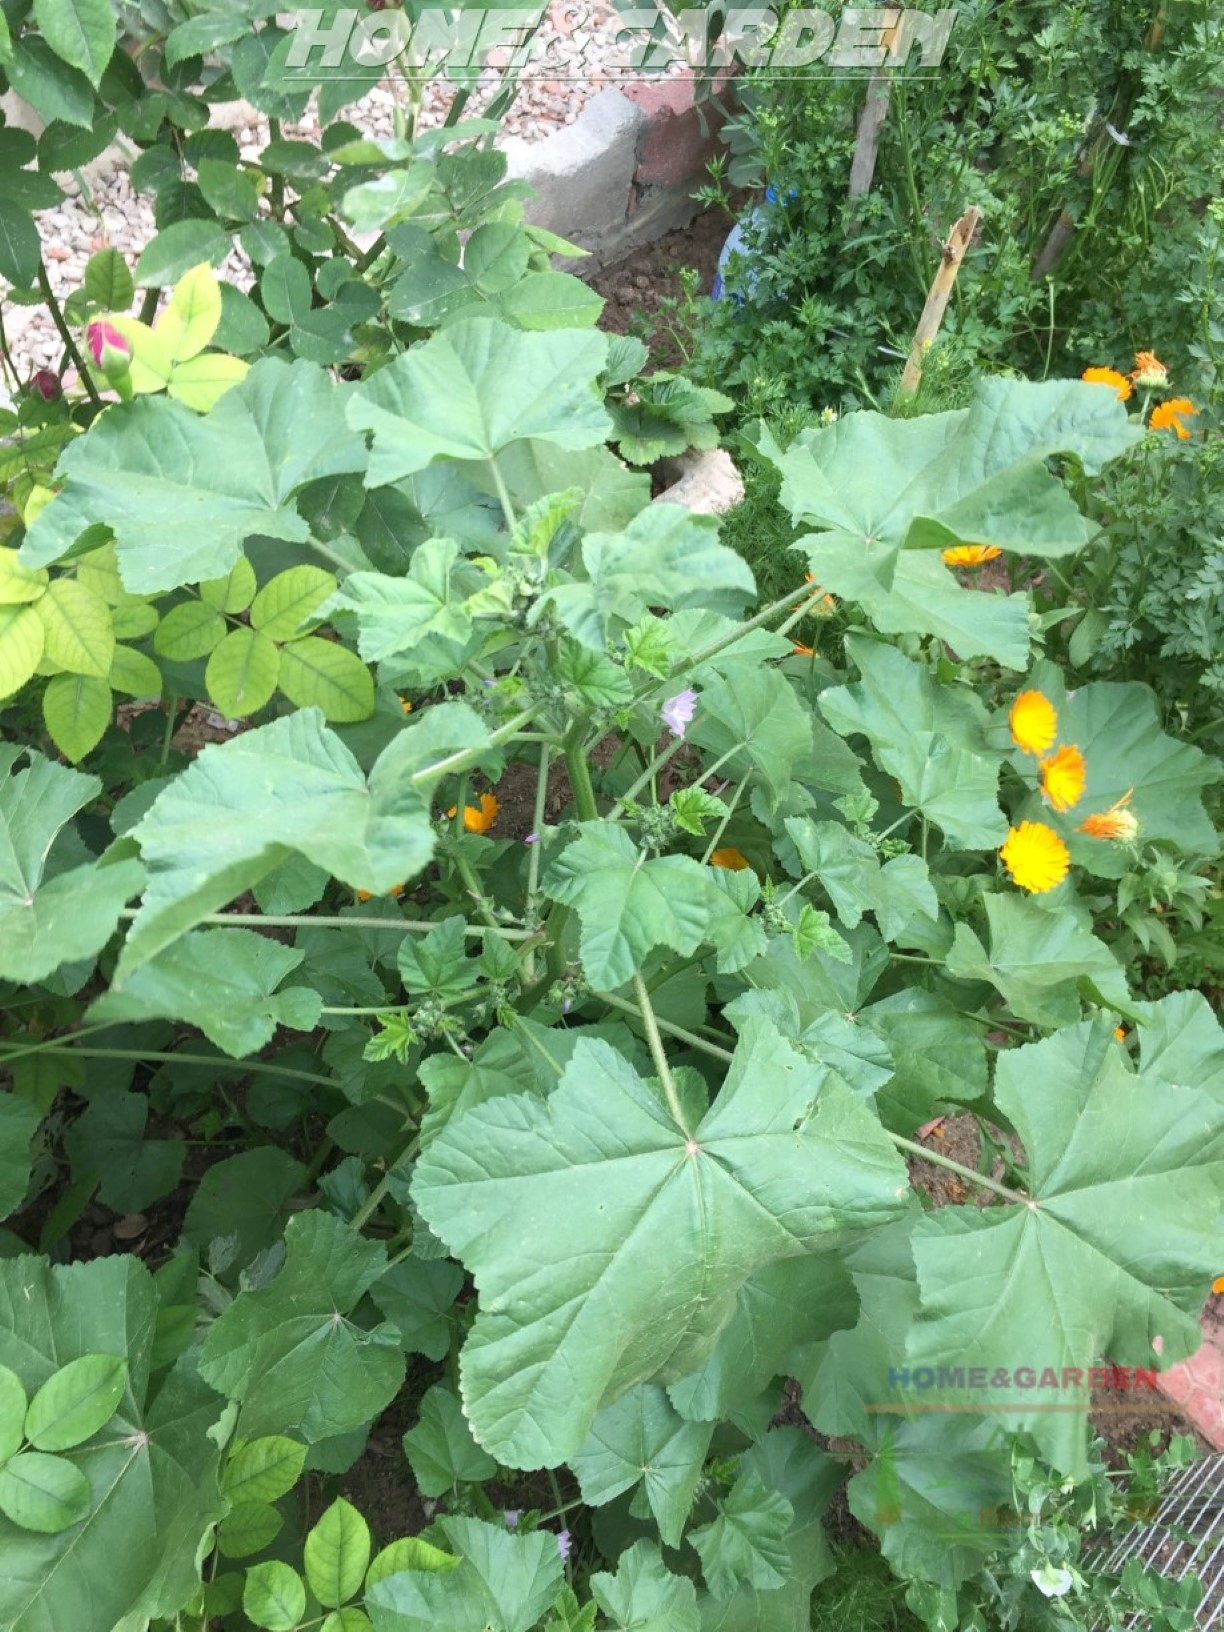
[(736, 245)]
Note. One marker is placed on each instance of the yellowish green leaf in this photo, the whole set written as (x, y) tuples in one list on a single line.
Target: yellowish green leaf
[(318, 673), (18, 583), (233, 592), (77, 623), (21, 647), (285, 602), (134, 674), (76, 711), (201, 382), (192, 314), (190, 630), (242, 673)]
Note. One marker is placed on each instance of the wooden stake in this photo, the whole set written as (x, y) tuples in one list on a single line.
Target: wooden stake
[(937, 299), (871, 123)]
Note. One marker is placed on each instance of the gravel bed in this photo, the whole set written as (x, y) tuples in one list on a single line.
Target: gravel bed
[(575, 57)]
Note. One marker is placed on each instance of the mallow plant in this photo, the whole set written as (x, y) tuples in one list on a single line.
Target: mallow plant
[(521, 1027)]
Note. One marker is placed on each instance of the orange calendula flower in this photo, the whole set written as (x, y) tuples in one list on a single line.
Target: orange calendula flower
[(1149, 373), (478, 819), (1120, 1034), (800, 650), (1036, 857), (1034, 722), (394, 892), (971, 555), (1168, 416), (823, 605), (1217, 1285), (1063, 776), (1115, 823), (731, 859), (1108, 376)]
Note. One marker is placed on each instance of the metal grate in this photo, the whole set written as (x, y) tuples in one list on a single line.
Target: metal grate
[(1185, 1536)]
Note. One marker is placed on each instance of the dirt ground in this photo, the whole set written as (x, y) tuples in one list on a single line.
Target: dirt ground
[(643, 292)]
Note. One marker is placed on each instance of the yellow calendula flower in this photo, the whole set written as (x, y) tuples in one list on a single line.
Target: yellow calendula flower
[(1036, 857), (394, 892), (971, 555), (478, 819), (1108, 376), (1149, 373), (1034, 722), (731, 859), (1063, 776), (1168, 416), (405, 705), (1115, 823)]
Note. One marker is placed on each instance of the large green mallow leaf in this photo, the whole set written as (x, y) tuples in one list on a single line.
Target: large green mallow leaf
[(609, 1244), (975, 475), (666, 556), (628, 904), (243, 806), (222, 980), (504, 1583), (152, 1470), (880, 489), (47, 921), (182, 491), (641, 1436), (931, 737), (931, 1476), (1115, 1250), (1043, 958), (288, 1351), (475, 389)]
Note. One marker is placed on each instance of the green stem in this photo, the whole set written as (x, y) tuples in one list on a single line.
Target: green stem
[(168, 733), (533, 865), (678, 1032), (722, 826), (377, 1195), (658, 1053), (65, 334), (139, 1054), (390, 926), (653, 767), (729, 639), (503, 495), (580, 775), (464, 758), (1016, 1196), (51, 1044), (148, 305)]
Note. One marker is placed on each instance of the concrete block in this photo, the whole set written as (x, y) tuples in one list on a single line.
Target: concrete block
[(583, 173), (709, 484)]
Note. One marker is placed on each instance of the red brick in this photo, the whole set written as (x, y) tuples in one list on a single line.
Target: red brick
[(674, 148)]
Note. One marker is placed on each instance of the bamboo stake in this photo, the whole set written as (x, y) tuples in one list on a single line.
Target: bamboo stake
[(937, 299)]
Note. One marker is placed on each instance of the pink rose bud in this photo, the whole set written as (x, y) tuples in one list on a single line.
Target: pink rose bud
[(46, 384), (109, 350)]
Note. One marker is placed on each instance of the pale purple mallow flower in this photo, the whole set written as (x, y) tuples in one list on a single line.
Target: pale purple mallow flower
[(564, 1543), (678, 711), (512, 1515), (532, 838)]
